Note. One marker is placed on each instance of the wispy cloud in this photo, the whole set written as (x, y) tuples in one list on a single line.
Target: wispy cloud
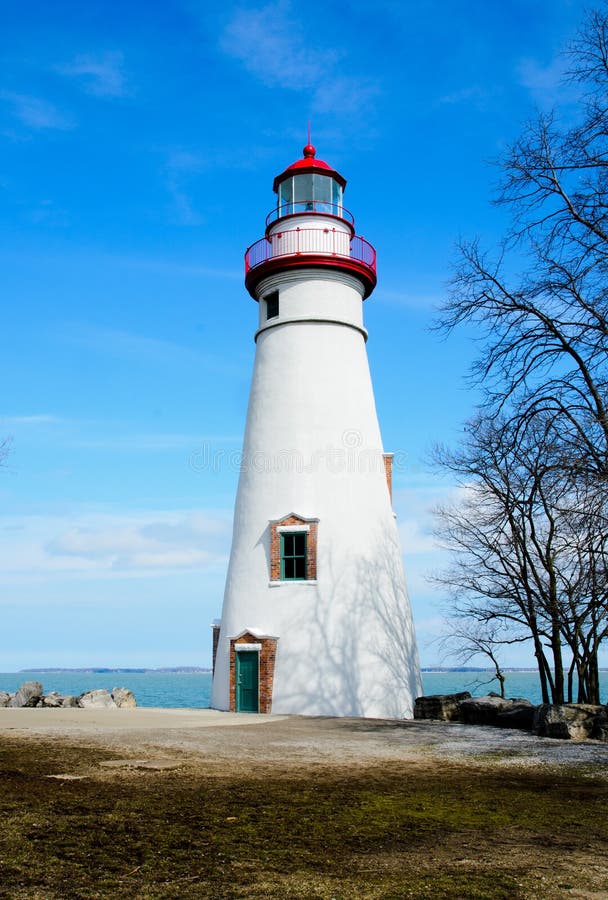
[(473, 94), (179, 167), (102, 75), (143, 349), (107, 545), (547, 84), (125, 344), (271, 43), (38, 419), (408, 297), (157, 442), (36, 113), (347, 95)]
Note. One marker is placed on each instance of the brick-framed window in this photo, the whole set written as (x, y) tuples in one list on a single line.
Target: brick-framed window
[(293, 555), (293, 549)]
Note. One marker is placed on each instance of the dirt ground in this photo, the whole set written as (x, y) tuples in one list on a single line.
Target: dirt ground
[(172, 803)]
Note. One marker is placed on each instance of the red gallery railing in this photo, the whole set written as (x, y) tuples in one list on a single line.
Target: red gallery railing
[(315, 241)]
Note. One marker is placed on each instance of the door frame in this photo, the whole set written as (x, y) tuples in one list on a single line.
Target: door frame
[(247, 648), (267, 647)]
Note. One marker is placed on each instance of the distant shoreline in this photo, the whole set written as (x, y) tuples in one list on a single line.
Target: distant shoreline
[(186, 670), (104, 670)]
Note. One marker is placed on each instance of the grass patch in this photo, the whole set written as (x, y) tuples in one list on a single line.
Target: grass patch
[(446, 831)]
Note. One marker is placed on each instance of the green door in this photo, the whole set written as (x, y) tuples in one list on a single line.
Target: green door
[(247, 681)]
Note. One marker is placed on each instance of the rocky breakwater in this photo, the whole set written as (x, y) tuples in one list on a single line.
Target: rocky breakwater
[(569, 721), (31, 694)]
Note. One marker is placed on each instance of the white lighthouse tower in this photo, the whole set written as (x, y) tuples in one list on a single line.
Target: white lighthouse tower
[(316, 618)]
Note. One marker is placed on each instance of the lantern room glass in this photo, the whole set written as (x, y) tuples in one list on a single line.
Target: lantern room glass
[(310, 193)]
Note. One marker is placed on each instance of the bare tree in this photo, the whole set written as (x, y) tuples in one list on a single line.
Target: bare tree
[(547, 327), (528, 541), (528, 561), (464, 639)]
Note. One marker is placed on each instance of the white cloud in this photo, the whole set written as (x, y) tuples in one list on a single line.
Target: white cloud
[(102, 75), (270, 42), (198, 445), (181, 165), (36, 113), (113, 544), (144, 349), (125, 344), (40, 419), (474, 94), (345, 95), (546, 83), (408, 297)]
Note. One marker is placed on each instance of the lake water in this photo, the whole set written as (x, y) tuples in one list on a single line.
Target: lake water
[(193, 689)]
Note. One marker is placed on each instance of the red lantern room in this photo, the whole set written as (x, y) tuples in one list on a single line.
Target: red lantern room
[(310, 227)]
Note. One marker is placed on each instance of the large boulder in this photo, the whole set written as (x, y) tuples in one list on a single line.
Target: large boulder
[(568, 721), (69, 700), (53, 699), (29, 694), (484, 710), (520, 714), (5, 698), (445, 707), (99, 699), (124, 698), (600, 726)]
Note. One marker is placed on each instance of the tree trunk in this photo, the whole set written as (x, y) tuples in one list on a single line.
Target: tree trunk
[(558, 665)]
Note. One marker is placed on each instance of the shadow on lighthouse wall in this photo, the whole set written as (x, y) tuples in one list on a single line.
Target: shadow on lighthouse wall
[(362, 640)]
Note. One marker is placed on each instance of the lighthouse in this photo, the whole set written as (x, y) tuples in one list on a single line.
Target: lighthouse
[(316, 618)]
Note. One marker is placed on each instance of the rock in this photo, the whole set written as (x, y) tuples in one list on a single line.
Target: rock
[(600, 726), (28, 694), (5, 698), (69, 700), (124, 698), (569, 721), (445, 707), (519, 715), (483, 710), (100, 699), (53, 699)]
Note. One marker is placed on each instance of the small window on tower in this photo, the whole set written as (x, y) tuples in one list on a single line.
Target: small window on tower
[(272, 305), (293, 556)]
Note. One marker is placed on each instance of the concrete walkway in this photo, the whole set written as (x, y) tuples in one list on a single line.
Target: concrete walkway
[(245, 740), (53, 721)]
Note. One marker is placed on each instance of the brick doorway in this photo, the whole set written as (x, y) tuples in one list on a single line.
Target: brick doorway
[(244, 649)]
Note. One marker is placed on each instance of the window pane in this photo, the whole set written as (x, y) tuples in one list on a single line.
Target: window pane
[(293, 556), (322, 188), (272, 305), (285, 192), (302, 185), (336, 193)]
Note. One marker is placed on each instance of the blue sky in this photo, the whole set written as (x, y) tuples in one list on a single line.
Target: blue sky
[(138, 145)]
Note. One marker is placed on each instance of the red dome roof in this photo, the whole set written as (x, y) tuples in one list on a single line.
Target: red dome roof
[(308, 164)]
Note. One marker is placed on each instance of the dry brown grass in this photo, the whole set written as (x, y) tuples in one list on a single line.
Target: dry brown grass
[(379, 831)]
